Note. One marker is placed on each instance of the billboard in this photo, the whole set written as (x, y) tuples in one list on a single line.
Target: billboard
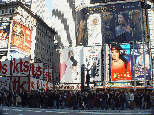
[(21, 37), (121, 66), (70, 65), (108, 23), (139, 62), (92, 61), (94, 29), (4, 35)]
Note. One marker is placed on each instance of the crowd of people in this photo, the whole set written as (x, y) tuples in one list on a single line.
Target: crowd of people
[(105, 100)]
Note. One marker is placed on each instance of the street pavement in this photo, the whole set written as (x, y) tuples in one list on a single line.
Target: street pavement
[(4, 110)]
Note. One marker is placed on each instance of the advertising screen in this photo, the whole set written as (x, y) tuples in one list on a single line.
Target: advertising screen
[(108, 23), (21, 37), (70, 65), (121, 67), (139, 62), (94, 29), (92, 61), (4, 35)]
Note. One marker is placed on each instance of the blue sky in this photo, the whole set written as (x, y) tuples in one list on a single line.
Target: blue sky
[(48, 5)]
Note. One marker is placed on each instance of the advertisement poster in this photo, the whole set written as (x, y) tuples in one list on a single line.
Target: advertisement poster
[(92, 61), (121, 66), (94, 29), (139, 62), (4, 35), (108, 23), (70, 65), (21, 37)]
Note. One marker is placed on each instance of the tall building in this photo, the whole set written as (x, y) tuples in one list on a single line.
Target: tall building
[(24, 33), (36, 6)]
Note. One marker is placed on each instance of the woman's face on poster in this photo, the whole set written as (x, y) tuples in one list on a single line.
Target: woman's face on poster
[(115, 54), (121, 19)]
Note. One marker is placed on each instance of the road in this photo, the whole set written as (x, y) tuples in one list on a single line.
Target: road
[(38, 111)]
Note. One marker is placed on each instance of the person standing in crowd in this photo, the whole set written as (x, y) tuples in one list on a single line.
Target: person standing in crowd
[(9, 98), (131, 100), (18, 99), (69, 100), (113, 100), (144, 101), (1, 97), (122, 100)]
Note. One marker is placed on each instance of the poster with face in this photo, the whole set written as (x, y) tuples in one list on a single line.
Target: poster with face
[(4, 35), (94, 29), (70, 65), (116, 22), (21, 37), (139, 62), (92, 61), (121, 62)]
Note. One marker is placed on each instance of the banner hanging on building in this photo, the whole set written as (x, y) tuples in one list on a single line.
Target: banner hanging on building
[(21, 37), (139, 62), (121, 69)]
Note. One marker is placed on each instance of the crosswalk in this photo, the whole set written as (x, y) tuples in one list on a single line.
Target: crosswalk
[(37, 111)]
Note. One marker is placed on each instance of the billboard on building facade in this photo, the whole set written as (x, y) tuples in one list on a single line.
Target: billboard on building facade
[(4, 35), (70, 65), (21, 37), (110, 23), (94, 29), (92, 61), (121, 66), (139, 62)]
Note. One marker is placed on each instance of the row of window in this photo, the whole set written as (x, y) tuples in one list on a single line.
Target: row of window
[(7, 11)]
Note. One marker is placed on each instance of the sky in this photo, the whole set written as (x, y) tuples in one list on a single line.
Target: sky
[(48, 5)]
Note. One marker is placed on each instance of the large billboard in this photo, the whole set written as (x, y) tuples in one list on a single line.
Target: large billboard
[(139, 62), (70, 65), (108, 23), (21, 37), (92, 61), (121, 66)]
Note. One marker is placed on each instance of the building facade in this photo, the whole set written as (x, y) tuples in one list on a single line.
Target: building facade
[(25, 33)]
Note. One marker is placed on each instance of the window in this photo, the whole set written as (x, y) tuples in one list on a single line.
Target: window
[(13, 10), (2, 11), (10, 11), (6, 11)]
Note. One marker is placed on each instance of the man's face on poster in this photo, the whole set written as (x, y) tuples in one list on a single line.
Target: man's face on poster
[(108, 16), (121, 19)]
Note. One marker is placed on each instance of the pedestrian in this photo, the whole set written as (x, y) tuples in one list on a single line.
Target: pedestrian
[(131, 100), (18, 99), (144, 101)]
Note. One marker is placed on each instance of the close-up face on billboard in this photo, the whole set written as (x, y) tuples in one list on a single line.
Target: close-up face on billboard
[(21, 37), (70, 65), (139, 62), (120, 62), (110, 23)]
